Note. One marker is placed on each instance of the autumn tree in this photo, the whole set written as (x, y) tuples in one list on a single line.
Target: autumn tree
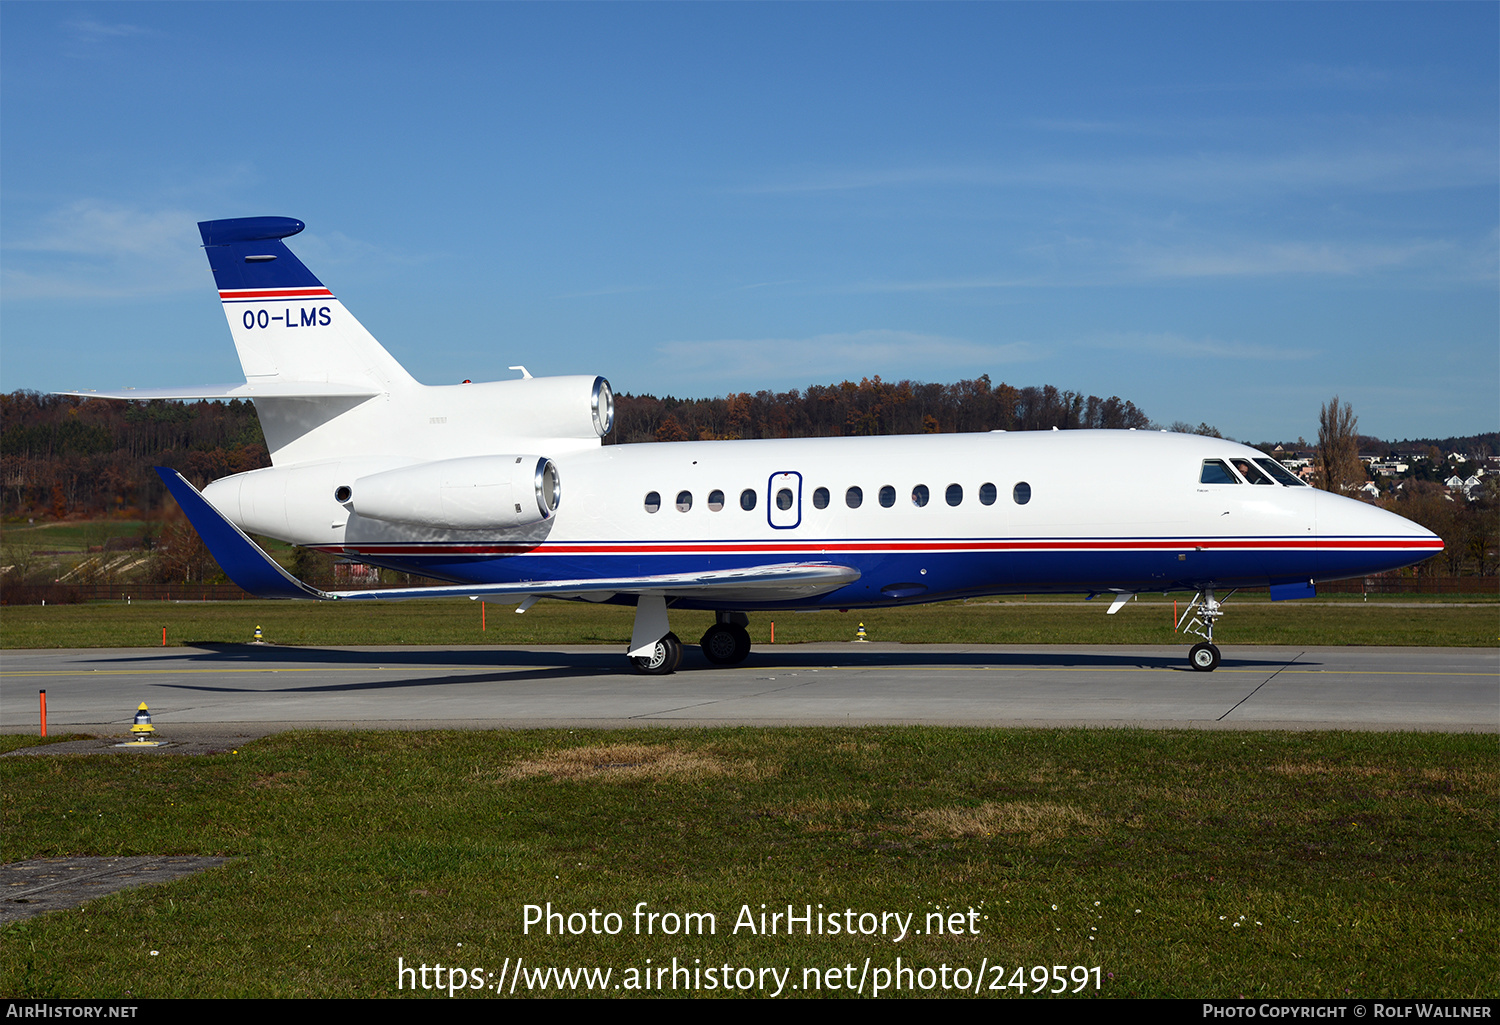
[(1339, 468)]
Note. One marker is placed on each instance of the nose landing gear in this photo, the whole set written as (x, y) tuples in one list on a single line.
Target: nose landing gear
[(1203, 656)]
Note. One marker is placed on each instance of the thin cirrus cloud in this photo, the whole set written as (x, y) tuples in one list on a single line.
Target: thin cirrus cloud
[(89, 29), (1183, 347), (90, 249), (1268, 259), (977, 283), (730, 362), (1414, 158), (1081, 262), (88, 38)]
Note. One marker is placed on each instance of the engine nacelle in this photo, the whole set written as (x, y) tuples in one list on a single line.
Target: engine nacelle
[(472, 493)]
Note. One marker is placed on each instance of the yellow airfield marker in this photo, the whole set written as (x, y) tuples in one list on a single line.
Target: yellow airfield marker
[(141, 730)]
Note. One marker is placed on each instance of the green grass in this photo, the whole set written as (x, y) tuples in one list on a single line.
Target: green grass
[(1179, 863), (990, 622), (72, 535)]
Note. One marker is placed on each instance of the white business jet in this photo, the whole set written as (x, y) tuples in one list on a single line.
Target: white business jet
[(505, 490)]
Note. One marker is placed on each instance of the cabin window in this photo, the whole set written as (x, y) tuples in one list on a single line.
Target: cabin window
[(987, 494), (1021, 493), (1215, 472), (887, 497), (715, 500), (854, 497), (343, 493), (653, 501), (684, 501), (747, 499), (919, 495), (784, 499), (955, 494), (820, 498)]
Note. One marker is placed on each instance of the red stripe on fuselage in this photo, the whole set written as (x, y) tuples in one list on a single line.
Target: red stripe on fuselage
[(823, 548)]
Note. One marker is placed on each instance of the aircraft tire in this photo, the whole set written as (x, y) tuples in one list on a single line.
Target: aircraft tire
[(1204, 657), (664, 658), (725, 645)]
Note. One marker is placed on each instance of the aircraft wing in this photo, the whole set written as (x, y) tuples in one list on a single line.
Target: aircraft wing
[(251, 568), (240, 557), (783, 582)]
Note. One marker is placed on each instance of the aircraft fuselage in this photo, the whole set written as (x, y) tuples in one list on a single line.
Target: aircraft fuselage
[(922, 518)]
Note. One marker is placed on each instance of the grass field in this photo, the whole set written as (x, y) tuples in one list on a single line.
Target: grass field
[(1153, 863), (72, 535), (1253, 620)]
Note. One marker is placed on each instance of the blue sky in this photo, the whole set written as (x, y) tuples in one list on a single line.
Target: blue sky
[(1223, 212)]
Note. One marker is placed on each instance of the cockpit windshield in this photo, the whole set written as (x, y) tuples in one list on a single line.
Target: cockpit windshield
[(1256, 471), (1216, 472), (1251, 472), (1282, 474)]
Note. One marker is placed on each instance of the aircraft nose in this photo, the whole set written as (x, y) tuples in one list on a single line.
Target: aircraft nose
[(1359, 539)]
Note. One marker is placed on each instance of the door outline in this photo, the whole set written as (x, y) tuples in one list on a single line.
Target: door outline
[(784, 519)]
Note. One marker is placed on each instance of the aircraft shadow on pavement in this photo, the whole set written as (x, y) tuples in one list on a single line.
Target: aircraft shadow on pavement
[(517, 666)]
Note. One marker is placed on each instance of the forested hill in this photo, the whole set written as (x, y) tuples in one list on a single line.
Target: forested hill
[(870, 407), (62, 456)]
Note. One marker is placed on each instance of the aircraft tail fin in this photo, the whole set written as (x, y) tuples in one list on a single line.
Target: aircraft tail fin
[(287, 325), (307, 361)]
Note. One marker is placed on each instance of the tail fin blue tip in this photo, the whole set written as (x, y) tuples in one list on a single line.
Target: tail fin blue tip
[(247, 255), (247, 229)]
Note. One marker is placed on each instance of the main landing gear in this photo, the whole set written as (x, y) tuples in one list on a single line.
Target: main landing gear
[(663, 659), (1203, 656), (726, 643)]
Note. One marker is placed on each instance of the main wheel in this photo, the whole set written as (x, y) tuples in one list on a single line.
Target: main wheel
[(664, 658), (725, 645), (1204, 657)]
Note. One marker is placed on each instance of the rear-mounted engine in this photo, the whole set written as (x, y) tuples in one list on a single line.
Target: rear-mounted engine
[(473, 493)]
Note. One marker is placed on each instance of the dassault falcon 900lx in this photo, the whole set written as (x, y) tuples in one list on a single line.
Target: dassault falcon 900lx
[(505, 490)]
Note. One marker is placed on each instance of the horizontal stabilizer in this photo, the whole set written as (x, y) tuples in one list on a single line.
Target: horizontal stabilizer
[(251, 568), (250, 390)]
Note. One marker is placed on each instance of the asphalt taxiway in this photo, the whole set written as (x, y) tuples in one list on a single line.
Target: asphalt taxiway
[(198, 694)]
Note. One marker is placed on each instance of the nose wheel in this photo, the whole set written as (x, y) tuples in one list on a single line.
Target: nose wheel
[(1204, 657)]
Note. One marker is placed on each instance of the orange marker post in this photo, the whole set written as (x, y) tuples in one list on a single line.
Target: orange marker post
[(163, 637), (482, 627), (43, 697), (773, 633)]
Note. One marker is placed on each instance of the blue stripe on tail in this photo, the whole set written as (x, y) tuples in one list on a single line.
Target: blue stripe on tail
[(247, 252)]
